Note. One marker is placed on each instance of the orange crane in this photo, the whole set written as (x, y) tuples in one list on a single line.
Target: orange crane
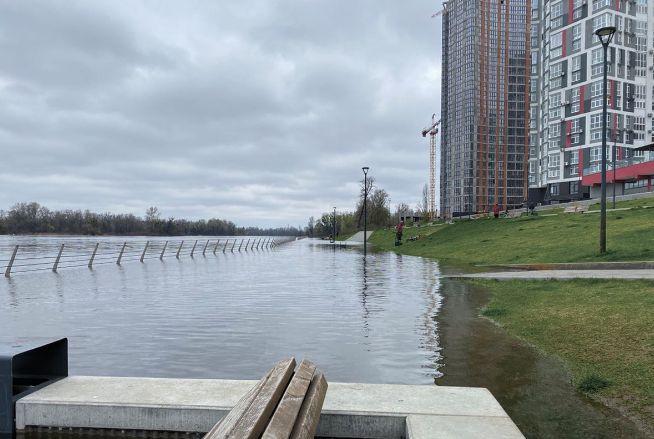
[(432, 131)]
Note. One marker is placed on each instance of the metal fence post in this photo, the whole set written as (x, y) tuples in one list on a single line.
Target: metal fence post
[(204, 251), (147, 243), (246, 244), (193, 249), (179, 249), (56, 264), (163, 251), (240, 245), (95, 250), (120, 256), (233, 245), (11, 262), (225, 248), (252, 248), (216, 247)]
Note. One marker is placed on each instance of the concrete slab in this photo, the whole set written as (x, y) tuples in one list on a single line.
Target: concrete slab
[(461, 427), (350, 410), (358, 237)]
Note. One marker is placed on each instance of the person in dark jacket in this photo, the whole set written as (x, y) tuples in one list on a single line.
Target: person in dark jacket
[(496, 210)]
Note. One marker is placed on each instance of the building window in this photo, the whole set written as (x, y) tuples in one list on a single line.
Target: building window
[(574, 187), (574, 158), (601, 21), (595, 153), (636, 184), (555, 10), (639, 96), (599, 4), (555, 106), (554, 189)]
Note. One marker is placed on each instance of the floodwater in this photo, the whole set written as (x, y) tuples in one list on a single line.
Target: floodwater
[(234, 315), (388, 319)]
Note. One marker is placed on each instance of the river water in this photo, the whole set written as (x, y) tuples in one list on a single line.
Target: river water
[(233, 315), (384, 319)]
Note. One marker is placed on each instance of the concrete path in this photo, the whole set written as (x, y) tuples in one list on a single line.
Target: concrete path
[(358, 237), (562, 274), (384, 411)]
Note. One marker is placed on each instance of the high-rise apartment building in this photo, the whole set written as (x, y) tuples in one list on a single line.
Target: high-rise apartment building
[(484, 105), (565, 131)]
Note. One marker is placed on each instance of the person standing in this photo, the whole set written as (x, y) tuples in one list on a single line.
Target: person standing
[(496, 210), (398, 232)]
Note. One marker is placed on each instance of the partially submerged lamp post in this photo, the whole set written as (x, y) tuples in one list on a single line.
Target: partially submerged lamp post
[(605, 36), (334, 224), (365, 209)]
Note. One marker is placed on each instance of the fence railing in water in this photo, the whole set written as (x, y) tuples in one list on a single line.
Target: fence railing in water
[(129, 252)]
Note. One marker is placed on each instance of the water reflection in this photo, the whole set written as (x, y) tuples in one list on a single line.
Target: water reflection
[(234, 314)]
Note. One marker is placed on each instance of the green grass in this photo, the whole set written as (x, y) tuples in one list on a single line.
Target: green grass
[(639, 203), (603, 331), (531, 239)]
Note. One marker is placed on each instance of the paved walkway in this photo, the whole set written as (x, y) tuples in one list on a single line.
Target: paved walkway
[(563, 274), (358, 237)]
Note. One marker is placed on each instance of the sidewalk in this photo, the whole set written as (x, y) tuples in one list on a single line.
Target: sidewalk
[(561, 274), (358, 237)]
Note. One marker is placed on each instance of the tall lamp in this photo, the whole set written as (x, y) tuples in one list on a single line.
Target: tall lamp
[(605, 35), (365, 209)]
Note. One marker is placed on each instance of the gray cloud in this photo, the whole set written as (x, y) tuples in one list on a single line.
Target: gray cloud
[(261, 112)]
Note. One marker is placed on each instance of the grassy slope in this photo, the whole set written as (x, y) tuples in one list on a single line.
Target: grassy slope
[(598, 328), (560, 238)]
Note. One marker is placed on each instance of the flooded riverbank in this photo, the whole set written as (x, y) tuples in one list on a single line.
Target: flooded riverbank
[(534, 390)]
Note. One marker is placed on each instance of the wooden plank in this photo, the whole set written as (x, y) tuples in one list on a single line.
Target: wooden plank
[(254, 420), (309, 416), (285, 415), (226, 424)]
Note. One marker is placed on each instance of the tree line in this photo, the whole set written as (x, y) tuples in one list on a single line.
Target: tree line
[(379, 213), (29, 218), (347, 223)]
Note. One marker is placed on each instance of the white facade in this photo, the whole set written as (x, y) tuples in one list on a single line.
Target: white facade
[(566, 90)]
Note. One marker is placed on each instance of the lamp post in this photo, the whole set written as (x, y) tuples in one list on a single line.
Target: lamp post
[(334, 224), (605, 36), (365, 209), (615, 153)]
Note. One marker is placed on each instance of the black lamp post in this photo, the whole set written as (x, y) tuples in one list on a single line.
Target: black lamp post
[(605, 36), (334, 224), (365, 209), (615, 154)]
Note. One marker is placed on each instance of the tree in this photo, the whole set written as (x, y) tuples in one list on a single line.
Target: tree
[(310, 227), (152, 214), (423, 206), (402, 210)]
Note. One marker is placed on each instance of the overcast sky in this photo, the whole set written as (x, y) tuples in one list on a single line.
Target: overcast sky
[(261, 112)]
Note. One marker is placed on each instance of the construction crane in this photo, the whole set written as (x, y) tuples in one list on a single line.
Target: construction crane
[(432, 131)]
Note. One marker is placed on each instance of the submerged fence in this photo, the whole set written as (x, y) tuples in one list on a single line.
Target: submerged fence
[(112, 252)]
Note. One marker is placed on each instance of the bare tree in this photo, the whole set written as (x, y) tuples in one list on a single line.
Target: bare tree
[(152, 214)]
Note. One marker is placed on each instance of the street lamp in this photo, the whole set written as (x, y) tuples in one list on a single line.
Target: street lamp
[(605, 36), (334, 224), (615, 153), (365, 209)]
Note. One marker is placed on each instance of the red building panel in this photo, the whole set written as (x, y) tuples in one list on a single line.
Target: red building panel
[(633, 172)]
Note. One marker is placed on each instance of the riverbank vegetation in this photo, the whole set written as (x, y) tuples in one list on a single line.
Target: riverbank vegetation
[(531, 239), (350, 222), (28, 218), (602, 330)]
